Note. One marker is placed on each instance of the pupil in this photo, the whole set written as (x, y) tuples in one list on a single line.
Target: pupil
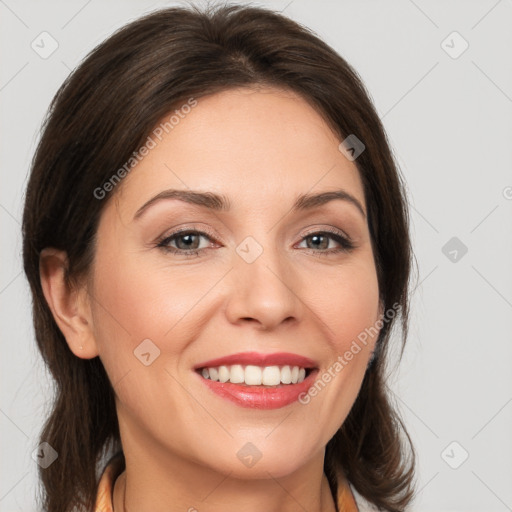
[(184, 237), (317, 237)]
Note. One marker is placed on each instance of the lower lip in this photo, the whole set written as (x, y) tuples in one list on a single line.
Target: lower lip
[(260, 397)]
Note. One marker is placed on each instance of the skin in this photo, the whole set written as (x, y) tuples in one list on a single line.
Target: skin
[(261, 148)]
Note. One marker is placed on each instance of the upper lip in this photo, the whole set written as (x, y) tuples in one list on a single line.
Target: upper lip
[(258, 359)]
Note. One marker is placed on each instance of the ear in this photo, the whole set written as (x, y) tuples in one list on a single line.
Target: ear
[(69, 305)]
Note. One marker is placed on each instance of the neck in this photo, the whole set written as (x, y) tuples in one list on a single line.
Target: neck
[(153, 490)]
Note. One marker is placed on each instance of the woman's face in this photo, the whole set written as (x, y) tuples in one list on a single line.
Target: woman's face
[(261, 276)]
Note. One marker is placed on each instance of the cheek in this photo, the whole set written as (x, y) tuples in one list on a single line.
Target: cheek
[(349, 310), (140, 325), (346, 300), (141, 300), (358, 310), (140, 297)]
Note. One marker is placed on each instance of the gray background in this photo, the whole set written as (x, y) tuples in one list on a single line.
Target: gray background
[(448, 117)]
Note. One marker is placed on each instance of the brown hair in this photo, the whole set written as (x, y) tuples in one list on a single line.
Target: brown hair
[(104, 111)]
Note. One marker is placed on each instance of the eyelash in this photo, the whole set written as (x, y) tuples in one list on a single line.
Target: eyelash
[(346, 244)]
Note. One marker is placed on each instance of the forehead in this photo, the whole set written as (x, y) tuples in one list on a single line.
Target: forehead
[(258, 147)]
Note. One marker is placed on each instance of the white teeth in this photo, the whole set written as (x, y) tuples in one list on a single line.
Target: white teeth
[(271, 376), (214, 373), (223, 374), (286, 375), (237, 374), (251, 375)]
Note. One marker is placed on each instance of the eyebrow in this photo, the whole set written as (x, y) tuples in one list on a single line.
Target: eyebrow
[(220, 202)]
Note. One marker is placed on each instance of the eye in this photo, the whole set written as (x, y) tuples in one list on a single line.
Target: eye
[(321, 239), (187, 242)]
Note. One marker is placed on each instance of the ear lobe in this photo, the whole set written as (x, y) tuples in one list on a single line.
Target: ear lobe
[(69, 305)]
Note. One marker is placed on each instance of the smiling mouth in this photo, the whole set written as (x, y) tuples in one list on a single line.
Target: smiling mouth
[(256, 376)]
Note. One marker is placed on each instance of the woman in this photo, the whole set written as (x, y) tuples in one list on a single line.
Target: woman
[(216, 239)]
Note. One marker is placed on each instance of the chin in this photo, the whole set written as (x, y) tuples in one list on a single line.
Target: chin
[(250, 460)]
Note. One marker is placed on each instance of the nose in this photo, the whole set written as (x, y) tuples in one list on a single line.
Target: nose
[(265, 291)]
